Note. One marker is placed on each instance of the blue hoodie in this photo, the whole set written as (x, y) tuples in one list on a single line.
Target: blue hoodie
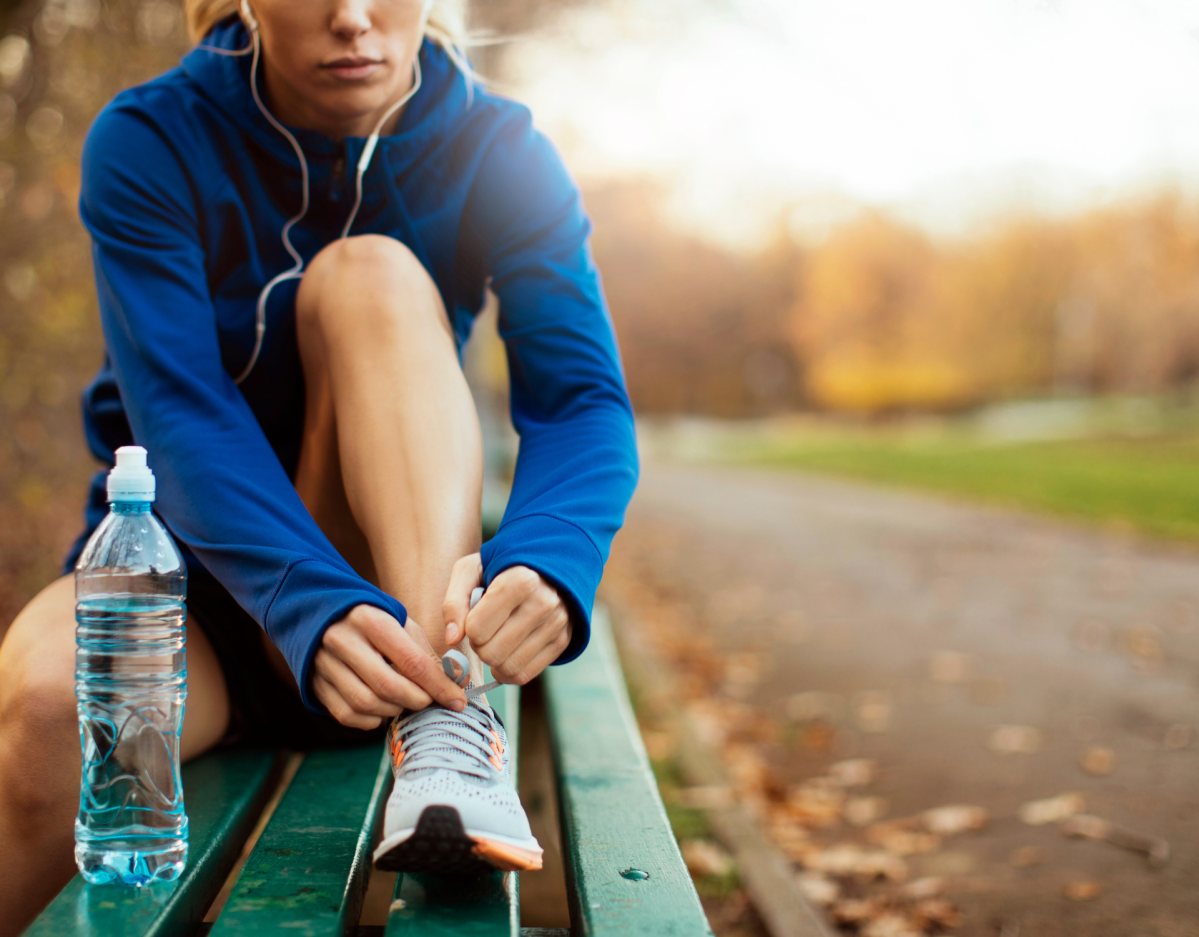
[(186, 188)]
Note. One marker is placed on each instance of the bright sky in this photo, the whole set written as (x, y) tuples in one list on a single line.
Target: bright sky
[(947, 111)]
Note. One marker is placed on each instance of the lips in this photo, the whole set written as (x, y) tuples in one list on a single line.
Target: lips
[(352, 67)]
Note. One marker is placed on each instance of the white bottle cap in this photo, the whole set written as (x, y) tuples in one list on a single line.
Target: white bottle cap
[(131, 479)]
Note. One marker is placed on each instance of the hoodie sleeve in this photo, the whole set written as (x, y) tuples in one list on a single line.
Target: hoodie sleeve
[(577, 465), (221, 488)]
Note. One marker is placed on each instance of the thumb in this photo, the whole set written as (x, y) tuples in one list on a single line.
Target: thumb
[(466, 576)]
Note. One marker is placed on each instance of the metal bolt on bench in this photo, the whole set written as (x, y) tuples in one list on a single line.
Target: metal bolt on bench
[(307, 874)]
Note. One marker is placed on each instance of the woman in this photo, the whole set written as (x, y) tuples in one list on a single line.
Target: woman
[(292, 234)]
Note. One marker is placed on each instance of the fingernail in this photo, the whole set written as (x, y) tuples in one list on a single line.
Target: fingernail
[(458, 705)]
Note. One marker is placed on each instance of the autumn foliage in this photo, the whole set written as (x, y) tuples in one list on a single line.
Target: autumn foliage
[(881, 317)]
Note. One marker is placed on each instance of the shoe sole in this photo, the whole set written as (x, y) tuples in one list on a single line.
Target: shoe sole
[(440, 845)]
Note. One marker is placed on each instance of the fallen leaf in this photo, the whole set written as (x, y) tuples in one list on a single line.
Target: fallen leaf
[(818, 736), (928, 887), (902, 838), (744, 667), (816, 804), (1015, 740), (1098, 760), (817, 888), (854, 911), (747, 769), (1027, 856), (1052, 809), (891, 924), (946, 821), (861, 811), (814, 706), (853, 772), (874, 711), (850, 859), (950, 667), (789, 836), (1143, 642), (704, 858), (937, 912), (1081, 891)]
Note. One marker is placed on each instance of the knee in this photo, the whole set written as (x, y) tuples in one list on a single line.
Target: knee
[(365, 282), (39, 751)]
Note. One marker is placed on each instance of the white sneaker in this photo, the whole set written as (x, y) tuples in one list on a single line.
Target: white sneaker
[(454, 807)]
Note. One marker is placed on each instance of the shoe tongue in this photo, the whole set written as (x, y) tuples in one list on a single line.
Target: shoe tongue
[(430, 737)]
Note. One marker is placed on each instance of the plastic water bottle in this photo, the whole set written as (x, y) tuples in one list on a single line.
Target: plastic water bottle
[(130, 683)]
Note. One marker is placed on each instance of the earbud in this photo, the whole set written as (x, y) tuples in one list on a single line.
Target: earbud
[(246, 12)]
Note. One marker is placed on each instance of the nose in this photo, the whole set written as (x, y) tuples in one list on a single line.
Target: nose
[(351, 18)]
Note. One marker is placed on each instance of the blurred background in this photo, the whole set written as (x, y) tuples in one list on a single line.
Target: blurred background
[(925, 245)]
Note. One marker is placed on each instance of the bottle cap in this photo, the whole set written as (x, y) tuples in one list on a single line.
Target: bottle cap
[(131, 479)]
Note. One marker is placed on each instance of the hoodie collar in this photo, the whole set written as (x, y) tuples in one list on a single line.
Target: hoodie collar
[(443, 98)]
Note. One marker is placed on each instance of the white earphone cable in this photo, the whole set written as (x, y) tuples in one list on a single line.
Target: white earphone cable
[(297, 268), (368, 149)]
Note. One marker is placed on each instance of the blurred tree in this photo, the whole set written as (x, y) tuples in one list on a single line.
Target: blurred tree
[(702, 330), (60, 61), (866, 322), (887, 319)]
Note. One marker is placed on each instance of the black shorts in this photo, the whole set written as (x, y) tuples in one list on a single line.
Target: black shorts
[(266, 709)]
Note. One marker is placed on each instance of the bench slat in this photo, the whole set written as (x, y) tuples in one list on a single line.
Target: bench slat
[(307, 874), (224, 792), (612, 815), (452, 905)]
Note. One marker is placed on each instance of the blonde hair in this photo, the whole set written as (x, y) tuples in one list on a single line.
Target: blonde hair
[(445, 26)]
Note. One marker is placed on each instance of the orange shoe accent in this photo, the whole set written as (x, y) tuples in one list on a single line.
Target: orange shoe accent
[(506, 858)]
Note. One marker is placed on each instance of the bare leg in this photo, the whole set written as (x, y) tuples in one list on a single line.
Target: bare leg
[(392, 459), (39, 746)]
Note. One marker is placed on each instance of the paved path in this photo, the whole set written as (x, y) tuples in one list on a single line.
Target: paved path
[(958, 619)]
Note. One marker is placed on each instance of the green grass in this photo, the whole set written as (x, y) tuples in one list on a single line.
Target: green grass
[(1150, 485)]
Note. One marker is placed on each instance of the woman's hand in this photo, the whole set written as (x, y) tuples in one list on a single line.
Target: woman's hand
[(370, 667), (520, 626)]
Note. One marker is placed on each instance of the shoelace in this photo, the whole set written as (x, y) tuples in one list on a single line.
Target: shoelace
[(457, 657), (436, 737), (467, 742)]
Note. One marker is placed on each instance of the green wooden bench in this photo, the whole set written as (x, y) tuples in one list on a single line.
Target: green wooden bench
[(307, 873)]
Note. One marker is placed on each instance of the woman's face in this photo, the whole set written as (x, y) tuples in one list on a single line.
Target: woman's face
[(337, 65)]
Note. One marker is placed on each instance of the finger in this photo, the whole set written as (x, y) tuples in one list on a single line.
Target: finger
[(338, 708), (355, 652), (351, 688), (532, 613), (466, 576), (505, 594), (394, 642), (546, 634), (546, 655)]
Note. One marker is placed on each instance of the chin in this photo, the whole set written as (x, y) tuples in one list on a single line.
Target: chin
[(349, 103)]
